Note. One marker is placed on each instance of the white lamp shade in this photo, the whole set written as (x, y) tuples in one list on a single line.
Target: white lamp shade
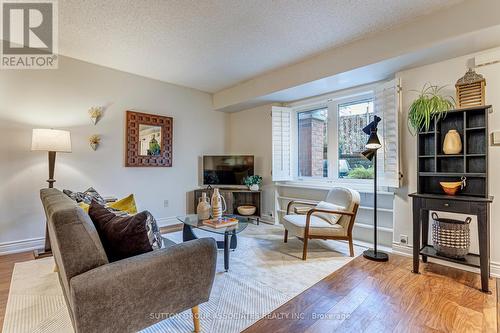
[(51, 140)]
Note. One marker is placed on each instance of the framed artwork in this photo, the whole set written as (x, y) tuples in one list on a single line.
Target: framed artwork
[(149, 140)]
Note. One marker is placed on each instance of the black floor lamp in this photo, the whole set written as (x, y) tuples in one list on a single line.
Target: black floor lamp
[(372, 146)]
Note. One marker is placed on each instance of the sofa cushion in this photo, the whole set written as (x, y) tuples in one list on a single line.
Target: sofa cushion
[(121, 236)]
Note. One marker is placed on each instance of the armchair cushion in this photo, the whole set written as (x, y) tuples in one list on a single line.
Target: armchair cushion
[(328, 217), (296, 224)]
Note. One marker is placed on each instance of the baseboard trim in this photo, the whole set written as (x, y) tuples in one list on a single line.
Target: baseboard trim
[(23, 245), (167, 221), (407, 251)]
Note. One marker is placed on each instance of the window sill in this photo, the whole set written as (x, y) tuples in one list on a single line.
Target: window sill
[(362, 187)]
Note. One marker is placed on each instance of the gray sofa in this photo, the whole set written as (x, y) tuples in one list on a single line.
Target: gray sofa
[(126, 295)]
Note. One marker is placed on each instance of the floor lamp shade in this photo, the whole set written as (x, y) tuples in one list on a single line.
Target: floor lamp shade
[(51, 140)]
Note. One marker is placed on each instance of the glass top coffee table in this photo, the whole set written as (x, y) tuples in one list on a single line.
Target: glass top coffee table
[(191, 221)]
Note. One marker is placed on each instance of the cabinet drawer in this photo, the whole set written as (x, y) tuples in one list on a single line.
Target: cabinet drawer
[(447, 205)]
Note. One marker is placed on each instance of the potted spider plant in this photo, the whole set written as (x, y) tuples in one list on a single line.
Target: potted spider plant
[(429, 105)]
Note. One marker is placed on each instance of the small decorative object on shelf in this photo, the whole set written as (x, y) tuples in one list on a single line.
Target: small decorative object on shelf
[(203, 208), (451, 188), (470, 89), (94, 141), (452, 144), (95, 113), (246, 210), (253, 182), (428, 107), (450, 237)]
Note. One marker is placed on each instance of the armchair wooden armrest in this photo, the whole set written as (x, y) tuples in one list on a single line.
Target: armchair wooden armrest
[(340, 212), (301, 210), (298, 202)]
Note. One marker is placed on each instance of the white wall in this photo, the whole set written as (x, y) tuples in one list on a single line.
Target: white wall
[(60, 99), (446, 73), (249, 132)]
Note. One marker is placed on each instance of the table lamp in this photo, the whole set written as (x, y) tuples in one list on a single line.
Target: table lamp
[(370, 154), (52, 141)]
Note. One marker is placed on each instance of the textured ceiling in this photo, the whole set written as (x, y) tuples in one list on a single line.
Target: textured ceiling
[(213, 44)]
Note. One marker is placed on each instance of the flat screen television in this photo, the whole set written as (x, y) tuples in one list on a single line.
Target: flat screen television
[(227, 169)]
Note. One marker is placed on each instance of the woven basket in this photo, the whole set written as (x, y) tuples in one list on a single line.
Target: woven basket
[(451, 238)]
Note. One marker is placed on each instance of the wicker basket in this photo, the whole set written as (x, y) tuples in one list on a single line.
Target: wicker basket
[(451, 238)]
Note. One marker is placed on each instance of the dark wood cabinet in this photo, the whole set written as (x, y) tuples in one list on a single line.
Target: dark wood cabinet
[(434, 166), (235, 198)]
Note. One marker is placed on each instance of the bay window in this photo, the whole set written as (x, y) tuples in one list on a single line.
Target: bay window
[(325, 140)]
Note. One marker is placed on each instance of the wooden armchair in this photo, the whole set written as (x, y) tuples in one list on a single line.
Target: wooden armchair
[(305, 223)]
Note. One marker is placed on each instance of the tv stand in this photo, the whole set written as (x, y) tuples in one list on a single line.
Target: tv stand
[(235, 197)]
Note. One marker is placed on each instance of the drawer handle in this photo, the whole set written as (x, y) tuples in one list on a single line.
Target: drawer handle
[(447, 205)]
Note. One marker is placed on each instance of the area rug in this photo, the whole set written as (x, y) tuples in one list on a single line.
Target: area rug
[(264, 274)]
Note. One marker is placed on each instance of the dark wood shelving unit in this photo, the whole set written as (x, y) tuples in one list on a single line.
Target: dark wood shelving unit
[(434, 166), (235, 197)]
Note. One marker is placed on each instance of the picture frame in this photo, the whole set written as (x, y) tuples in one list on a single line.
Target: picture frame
[(149, 140)]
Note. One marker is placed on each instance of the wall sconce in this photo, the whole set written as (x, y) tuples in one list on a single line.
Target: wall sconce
[(94, 141), (95, 113)]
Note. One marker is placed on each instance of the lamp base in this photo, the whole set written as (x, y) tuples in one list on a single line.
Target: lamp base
[(375, 256)]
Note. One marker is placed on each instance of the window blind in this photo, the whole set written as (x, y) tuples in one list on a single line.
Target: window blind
[(282, 147), (387, 105)]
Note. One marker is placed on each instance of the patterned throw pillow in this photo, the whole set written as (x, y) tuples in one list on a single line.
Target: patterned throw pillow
[(86, 197)]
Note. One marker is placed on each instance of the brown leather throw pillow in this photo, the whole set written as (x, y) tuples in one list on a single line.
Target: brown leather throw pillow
[(121, 236)]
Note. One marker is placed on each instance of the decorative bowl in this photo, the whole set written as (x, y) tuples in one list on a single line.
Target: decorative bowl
[(246, 210), (451, 188)]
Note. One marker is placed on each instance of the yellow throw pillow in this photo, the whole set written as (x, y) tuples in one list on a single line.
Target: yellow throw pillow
[(84, 206), (126, 205)]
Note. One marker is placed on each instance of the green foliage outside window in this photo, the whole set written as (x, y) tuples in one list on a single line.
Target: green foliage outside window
[(361, 172)]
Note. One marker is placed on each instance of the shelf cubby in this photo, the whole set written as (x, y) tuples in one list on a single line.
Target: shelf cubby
[(476, 142), (453, 164)]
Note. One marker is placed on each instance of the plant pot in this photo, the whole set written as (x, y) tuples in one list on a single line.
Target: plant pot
[(452, 143), (254, 187), (94, 146)]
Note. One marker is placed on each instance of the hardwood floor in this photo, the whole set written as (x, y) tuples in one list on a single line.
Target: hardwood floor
[(366, 296), (6, 267)]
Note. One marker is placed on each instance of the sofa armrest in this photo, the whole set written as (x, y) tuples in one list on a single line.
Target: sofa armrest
[(134, 293)]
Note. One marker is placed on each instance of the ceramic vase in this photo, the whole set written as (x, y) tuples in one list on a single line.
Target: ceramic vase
[(452, 143), (218, 204), (94, 146), (203, 208)]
